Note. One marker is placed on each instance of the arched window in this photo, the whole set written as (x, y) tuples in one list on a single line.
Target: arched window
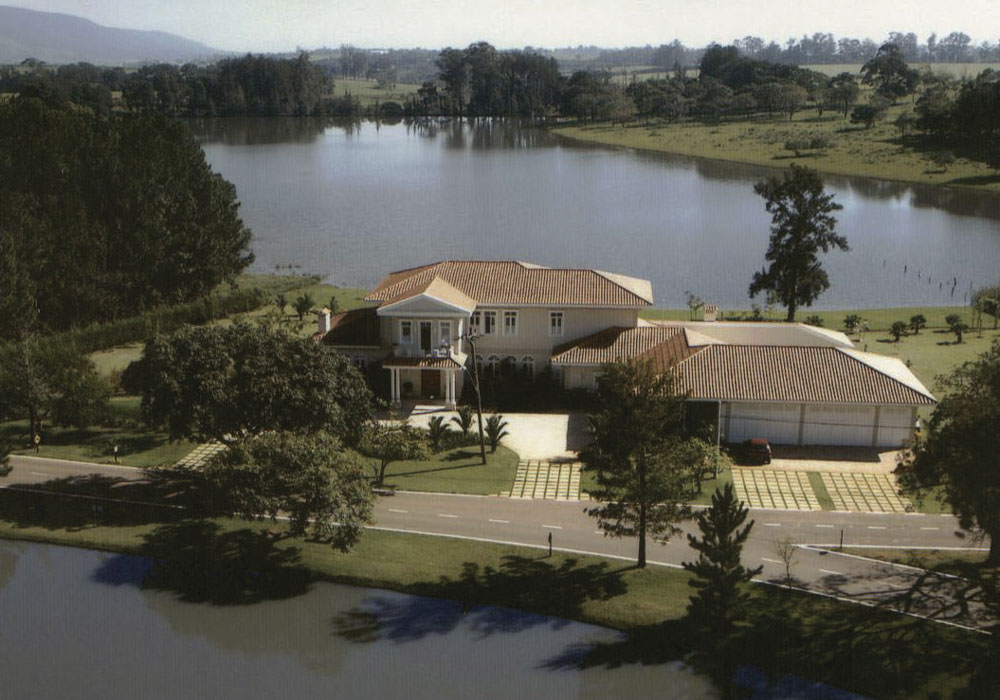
[(479, 364), (493, 364), (528, 366), (509, 366)]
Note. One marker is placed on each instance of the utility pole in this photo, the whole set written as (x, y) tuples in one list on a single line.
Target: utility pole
[(470, 338)]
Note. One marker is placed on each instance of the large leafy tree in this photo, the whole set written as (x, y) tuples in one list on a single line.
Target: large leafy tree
[(49, 381), (106, 216), (888, 72), (719, 576), (802, 225), (391, 441), (959, 453), (643, 462), (239, 381), (320, 487)]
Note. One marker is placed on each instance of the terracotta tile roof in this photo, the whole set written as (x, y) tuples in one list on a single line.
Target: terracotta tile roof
[(439, 289), (791, 374), (620, 343), (421, 362), (358, 327), (508, 282)]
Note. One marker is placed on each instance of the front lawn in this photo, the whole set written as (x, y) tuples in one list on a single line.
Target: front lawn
[(458, 470)]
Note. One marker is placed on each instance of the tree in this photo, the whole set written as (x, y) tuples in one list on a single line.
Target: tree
[(303, 305), (464, 419), (44, 380), (844, 91), (644, 464), (720, 578), (959, 453), (311, 478), (917, 322), (852, 322), (281, 301), (956, 325), (391, 441), (496, 430), (802, 225), (786, 549), (228, 383), (898, 330), (987, 301), (437, 429), (867, 114), (888, 72)]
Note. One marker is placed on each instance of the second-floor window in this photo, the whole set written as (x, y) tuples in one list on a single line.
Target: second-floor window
[(556, 324), (510, 323), (489, 322), (445, 333), (474, 322), (406, 332)]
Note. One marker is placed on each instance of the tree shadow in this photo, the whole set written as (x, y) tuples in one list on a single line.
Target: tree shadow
[(483, 598), (199, 562), (78, 502)]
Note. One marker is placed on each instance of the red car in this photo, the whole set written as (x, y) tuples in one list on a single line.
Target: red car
[(757, 450)]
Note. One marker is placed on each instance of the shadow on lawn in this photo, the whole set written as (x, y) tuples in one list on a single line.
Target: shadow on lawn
[(482, 598)]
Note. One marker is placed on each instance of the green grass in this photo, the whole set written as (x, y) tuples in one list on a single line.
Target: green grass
[(967, 564), (954, 70), (879, 319), (876, 152), (819, 488), (137, 446), (368, 92), (459, 470)]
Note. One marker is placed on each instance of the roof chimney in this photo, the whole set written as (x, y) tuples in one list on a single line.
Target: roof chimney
[(323, 321), (711, 311)]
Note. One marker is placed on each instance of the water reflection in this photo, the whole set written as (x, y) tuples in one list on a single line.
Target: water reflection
[(9, 555)]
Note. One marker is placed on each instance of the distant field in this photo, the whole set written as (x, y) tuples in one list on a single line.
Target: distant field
[(368, 91), (955, 70)]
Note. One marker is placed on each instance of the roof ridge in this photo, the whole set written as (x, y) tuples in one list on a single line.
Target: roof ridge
[(850, 353)]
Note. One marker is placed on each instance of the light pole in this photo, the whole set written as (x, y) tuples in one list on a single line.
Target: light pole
[(470, 338)]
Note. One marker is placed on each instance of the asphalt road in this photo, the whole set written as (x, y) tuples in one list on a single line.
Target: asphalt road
[(528, 523)]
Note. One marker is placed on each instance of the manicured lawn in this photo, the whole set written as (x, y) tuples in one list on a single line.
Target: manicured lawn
[(459, 470), (876, 152), (368, 92), (879, 319), (137, 446)]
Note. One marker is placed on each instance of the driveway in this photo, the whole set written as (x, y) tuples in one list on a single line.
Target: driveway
[(550, 436)]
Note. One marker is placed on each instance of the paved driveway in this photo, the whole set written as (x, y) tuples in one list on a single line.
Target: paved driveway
[(550, 436)]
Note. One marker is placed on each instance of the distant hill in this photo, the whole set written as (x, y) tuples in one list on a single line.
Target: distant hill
[(60, 38)]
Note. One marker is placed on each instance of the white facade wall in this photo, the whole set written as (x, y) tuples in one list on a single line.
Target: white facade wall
[(896, 425), (844, 424), (819, 424), (778, 422)]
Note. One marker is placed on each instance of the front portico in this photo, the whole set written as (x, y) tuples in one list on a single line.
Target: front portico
[(425, 377)]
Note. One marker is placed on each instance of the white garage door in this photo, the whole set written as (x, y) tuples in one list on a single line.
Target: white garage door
[(895, 426), (838, 425), (778, 422)]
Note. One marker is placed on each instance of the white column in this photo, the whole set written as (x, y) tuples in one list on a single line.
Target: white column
[(451, 388), (394, 384)]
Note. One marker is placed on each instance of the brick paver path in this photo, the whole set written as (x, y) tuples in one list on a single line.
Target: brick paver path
[(772, 488), (865, 493), (558, 481), (199, 456)]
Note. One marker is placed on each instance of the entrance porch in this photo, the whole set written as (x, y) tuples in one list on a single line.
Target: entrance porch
[(426, 378)]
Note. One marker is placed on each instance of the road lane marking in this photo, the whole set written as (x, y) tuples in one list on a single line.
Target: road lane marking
[(552, 527), (398, 510), (930, 528), (494, 520), (827, 571), (446, 515), (824, 525), (770, 561), (772, 524), (876, 527)]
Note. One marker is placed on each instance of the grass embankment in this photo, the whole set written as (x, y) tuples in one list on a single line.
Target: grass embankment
[(226, 562), (878, 152), (369, 93)]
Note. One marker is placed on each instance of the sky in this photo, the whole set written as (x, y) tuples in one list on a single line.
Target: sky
[(284, 25)]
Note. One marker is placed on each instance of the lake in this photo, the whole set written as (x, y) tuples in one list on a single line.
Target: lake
[(353, 202), (79, 624)]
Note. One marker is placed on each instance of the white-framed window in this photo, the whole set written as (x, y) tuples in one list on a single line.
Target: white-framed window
[(556, 324), (475, 321), (528, 366), (406, 332), (360, 361), (444, 333), (489, 322), (493, 364), (510, 323), (509, 366)]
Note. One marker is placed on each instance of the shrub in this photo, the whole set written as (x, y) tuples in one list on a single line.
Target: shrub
[(814, 320), (898, 330), (437, 429)]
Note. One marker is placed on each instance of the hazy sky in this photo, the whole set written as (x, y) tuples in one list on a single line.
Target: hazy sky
[(282, 25)]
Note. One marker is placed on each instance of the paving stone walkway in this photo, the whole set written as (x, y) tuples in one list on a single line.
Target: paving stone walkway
[(558, 481), (865, 493), (772, 488), (199, 456)]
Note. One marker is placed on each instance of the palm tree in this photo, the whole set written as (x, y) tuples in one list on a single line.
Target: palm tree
[(464, 419), (495, 430), (303, 305), (436, 430)]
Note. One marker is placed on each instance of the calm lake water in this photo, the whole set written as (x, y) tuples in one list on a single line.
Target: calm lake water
[(78, 624), (354, 202)]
